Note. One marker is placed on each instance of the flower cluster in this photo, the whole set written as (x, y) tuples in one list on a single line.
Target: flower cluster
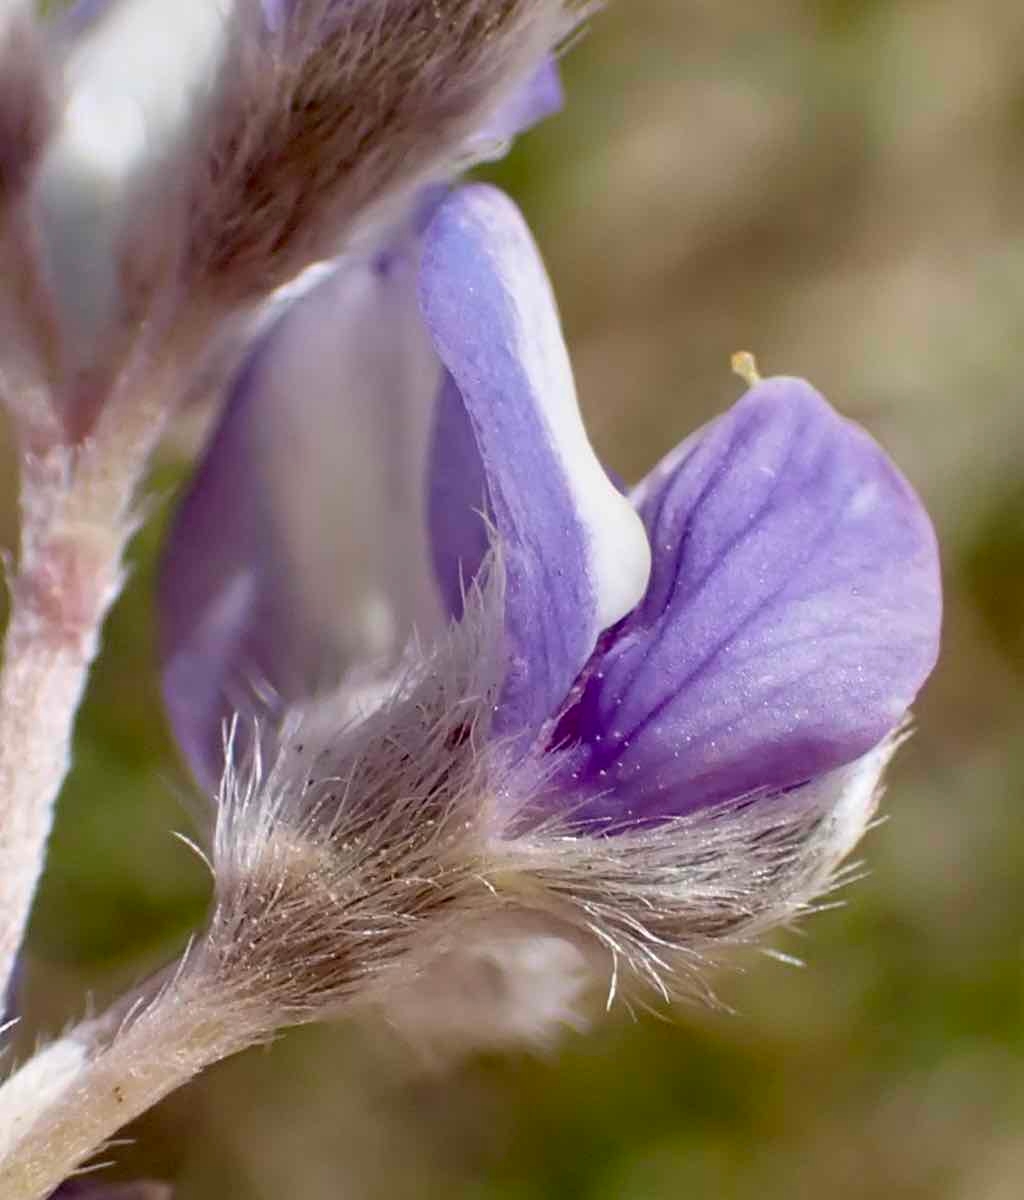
[(480, 726)]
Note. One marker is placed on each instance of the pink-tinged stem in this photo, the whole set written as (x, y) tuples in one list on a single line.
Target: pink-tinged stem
[(77, 517)]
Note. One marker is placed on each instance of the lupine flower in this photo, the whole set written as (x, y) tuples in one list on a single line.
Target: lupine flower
[(480, 723), (680, 707)]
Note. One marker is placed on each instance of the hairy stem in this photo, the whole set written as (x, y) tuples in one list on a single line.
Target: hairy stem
[(76, 1094), (77, 517)]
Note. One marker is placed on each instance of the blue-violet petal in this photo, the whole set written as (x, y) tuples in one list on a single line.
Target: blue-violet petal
[(792, 615), (575, 554)]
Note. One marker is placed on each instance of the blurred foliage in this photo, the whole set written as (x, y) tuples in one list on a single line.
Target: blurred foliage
[(838, 185), (993, 570)]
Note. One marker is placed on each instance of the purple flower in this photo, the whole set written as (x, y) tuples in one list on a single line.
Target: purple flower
[(759, 611)]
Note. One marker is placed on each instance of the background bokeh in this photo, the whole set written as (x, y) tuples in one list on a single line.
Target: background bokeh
[(837, 185)]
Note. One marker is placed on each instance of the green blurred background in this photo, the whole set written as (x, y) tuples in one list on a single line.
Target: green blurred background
[(838, 186)]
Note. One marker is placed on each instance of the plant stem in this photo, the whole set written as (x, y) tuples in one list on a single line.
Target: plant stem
[(110, 1071), (77, 518)]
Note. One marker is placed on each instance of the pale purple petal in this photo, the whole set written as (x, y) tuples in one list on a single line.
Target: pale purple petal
[(299, 551), (458, 499), (792, 615), (575, 554), (540, 97)]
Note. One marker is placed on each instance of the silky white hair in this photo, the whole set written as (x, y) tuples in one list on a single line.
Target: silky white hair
[(341, 114), (389, 862)]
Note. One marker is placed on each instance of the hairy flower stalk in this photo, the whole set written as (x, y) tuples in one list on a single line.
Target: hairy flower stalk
[(77, 517), (76, 501), (318, 906), (173, 1037), (366, 855)]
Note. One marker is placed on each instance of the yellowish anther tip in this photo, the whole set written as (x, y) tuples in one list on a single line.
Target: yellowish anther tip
[(744, 364)]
